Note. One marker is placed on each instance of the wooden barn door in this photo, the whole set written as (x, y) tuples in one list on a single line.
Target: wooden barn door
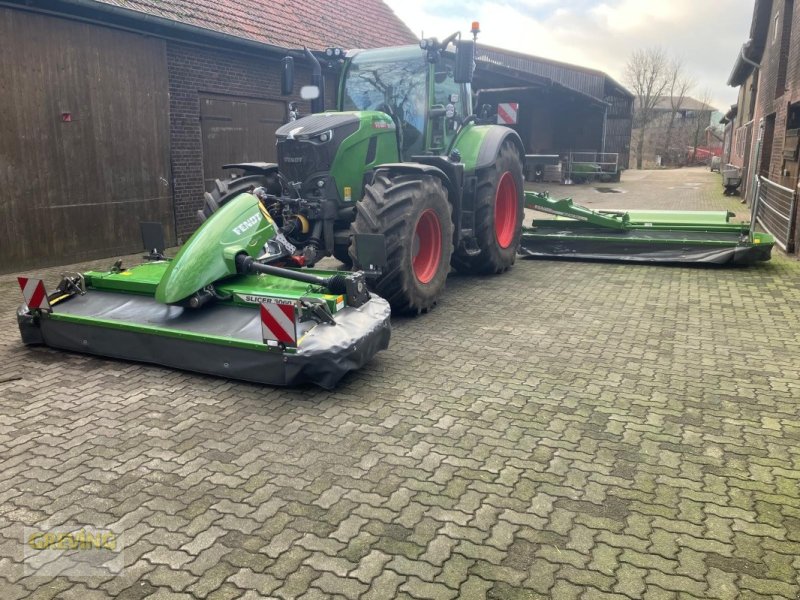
[(84, 140), (237, 129)]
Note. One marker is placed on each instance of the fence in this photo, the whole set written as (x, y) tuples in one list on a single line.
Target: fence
[(776, 210), (587, 166)]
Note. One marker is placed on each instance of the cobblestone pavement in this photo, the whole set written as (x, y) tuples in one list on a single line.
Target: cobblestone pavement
[(567, 430)]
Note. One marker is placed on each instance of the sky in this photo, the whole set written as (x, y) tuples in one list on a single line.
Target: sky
[(706, 34)]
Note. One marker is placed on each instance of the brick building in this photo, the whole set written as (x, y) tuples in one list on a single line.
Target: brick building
[(763, 126), (689, 129), (122, 111)]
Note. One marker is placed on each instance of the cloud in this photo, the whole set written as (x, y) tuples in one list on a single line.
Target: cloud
[(601, 34)]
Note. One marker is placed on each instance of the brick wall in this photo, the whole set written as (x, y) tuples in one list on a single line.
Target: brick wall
[(778, 77), (193, 70)]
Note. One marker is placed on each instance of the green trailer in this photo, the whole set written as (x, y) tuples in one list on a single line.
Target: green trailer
[(659, 236)]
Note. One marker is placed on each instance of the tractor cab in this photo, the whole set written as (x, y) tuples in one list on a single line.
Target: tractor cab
[(418, 92)]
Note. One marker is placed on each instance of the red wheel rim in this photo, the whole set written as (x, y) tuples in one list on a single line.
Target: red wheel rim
[(505, 210), (427, 251)]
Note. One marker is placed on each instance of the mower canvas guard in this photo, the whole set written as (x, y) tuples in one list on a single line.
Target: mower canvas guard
[(640, 235)]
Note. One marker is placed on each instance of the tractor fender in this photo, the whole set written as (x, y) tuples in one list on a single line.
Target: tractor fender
[(479, 145), (492, 142), (452, 187), (257, 168)]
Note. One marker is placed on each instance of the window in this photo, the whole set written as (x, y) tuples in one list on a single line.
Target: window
[(393, 84)]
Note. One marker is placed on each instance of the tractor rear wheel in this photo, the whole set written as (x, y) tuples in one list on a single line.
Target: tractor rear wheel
[(498, 215), (414, 215), (227, 189)]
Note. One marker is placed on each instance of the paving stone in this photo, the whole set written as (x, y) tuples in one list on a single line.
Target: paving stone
[(403, 566), (297, 583), (370, 566), (331, 584), (474, 588), (384, 586), (646, 451)]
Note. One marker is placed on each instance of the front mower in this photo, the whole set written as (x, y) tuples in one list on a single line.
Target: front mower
[(226, 305)]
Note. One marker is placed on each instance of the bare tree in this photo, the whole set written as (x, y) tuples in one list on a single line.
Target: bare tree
[(679, 84), (702, 122), (647, 75)]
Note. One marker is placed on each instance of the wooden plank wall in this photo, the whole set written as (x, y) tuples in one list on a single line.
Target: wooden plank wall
[(237, 129), (84, 140)]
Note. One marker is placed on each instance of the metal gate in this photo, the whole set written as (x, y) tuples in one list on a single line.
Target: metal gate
[(776, 211), (590, 166)]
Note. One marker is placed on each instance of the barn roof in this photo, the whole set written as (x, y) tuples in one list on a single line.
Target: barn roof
[(313, 23), (664, 103), (582, 79)]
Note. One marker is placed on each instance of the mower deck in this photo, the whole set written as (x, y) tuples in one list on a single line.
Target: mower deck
[(118, 317), (704, 237)]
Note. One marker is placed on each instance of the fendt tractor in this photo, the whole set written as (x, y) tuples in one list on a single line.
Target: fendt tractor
[(402, 157)]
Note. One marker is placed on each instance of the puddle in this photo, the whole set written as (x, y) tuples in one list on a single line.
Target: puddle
[(609, 190)]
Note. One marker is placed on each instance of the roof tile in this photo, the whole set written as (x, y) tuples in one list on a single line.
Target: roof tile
[(313, 23)]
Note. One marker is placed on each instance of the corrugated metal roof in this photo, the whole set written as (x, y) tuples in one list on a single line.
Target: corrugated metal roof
[(581, 79)]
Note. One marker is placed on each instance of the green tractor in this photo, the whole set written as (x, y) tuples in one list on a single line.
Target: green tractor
[(404, 161)]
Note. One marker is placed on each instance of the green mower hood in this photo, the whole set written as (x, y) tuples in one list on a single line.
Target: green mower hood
[(241, 225)]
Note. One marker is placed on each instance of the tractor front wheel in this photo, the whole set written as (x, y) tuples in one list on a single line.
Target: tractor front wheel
[(227, 189), (498, 215), (414, 215)]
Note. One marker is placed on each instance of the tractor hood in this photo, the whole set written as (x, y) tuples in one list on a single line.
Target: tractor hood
[(311, 126), (327, 152)]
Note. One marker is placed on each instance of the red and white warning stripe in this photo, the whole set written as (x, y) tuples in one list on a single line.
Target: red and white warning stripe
[(34, 293), (507, 113), (279, 322)]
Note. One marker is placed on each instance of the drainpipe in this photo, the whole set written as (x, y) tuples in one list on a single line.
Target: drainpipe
[(750, 170), (605, 122), (744, 57)]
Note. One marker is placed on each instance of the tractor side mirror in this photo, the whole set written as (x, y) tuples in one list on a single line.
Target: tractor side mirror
[(465, 61), (287, 76)]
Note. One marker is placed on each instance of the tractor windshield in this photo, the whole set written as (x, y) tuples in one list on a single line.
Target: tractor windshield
[(394, 81)]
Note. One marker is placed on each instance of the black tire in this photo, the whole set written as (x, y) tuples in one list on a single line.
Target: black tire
[(494, 257), (227, 189), (397, 207)]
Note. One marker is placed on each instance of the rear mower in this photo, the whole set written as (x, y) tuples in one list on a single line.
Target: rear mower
[(402, 157), (226, 305), (652, 236)]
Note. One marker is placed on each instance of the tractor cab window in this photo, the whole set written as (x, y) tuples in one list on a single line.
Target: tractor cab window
[(447, 105), (393, 81)]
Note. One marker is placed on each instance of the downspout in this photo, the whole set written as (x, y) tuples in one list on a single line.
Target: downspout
[(753, 164), (744, 57), (605, 122)]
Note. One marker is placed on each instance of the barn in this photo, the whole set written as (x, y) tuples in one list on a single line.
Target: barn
[(562, 109), (114, 112)]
